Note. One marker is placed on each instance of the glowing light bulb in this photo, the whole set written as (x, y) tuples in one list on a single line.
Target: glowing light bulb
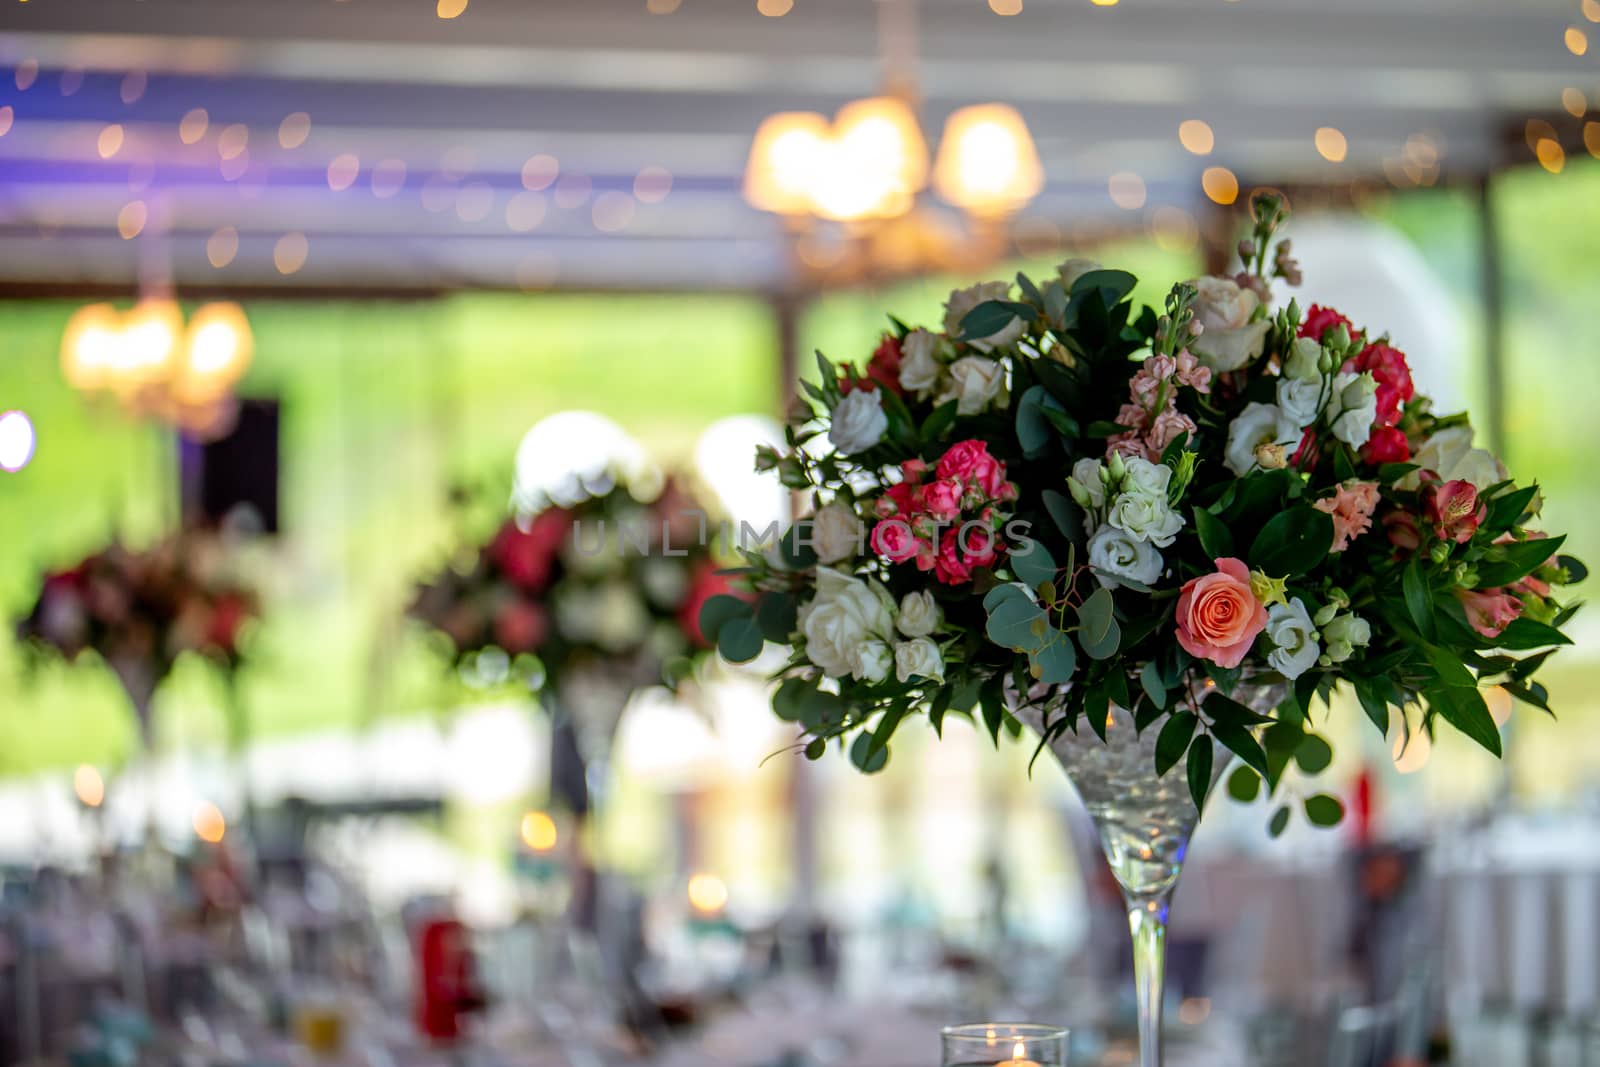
[(89, 346), (89, 786), (209, 825), (219, 349), (987, 161), (149, 347), (708, 894), (539, 831), (788, 154)]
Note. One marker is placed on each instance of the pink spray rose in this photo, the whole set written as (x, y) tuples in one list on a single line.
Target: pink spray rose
[(949, 566), (979, 547), (1219, 616), (1489, 611), (1351, 507), (893, 540), (1454, 510), (941, 499), (970, 462)]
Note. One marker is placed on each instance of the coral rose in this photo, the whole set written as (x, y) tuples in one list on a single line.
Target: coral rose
[(1388, 444), (893, 540), (1319, 320), (1219, 616)]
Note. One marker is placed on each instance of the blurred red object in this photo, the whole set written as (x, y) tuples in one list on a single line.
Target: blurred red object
[(1363, 808), (447, 984)]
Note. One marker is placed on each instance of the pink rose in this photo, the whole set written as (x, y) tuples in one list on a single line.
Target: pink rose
[(1319, 320), (949, 566), (1454, 510), (941, 499), (1169, 426), (970, 463), (979, 546), (526, 556), (1489, 611), (1388, 444), (1351, 506), (1218, 615), (897, 500), (1389, 368), (893, 540), (912, 470)]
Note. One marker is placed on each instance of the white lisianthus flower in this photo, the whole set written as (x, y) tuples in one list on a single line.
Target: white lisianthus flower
[(976, 382), (1353, 408), (845, 614), (1087, 478), (1258, 424), (1228, 339), (1142, 476), (1300, 399), (920, 369), (1116, 554), (1303, 361), (1145, 516), (918, 656), (870, 661), (920, 614), (1073, 269), (836, 533), (858, 422), (963, 301), (1449, 453), (1342, 636), (1294, 639)]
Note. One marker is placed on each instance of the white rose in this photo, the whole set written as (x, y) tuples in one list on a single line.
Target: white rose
[(975, 383), (1450, 454), (845, 614), (920, 615), (1228, 339), (1115, 554), (1300, 399), (1343, 635), (1294, 639), (1353, 408), (1305, 355), (1073, 269), (1142, 476), (1146, 517), (919, 656), (963, 301), (1258, 424), (858, 422), (836, 533), (870, 661), (920, 369), (1086, 475)]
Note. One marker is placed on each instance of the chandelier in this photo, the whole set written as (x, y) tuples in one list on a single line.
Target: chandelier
[(154, 365)]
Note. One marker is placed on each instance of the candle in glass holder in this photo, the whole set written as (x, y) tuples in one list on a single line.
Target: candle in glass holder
[(1004, 1045)]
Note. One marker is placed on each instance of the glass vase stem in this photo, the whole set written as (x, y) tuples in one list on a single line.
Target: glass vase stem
[(1147, 921)]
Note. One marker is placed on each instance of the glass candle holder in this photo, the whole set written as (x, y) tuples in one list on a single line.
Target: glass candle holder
[(1003, 1045)]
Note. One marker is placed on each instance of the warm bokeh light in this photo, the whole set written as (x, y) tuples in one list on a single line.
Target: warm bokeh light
[(708, 894), (774, 8), (222, 246), (652, 184), (233, 140), (788, 150), (1411, 755), (235, 168), (89, 786), (148, 347), (27, 73), (539, 172), (133, 86), (1006, 7), (290, 253), (449, 9), (1331, 144), (1220, 185), (1194, 1010), (294, 129), (343, 171), (388, 178), (132, 218), (1196, 136), (572, 191), (662, 7), (1127, 190), (1591, 10), (17, 441), (209, 825), (1575, 102), (89, 346), (218, 351), (474, 201), (7, 116), (525, 211), (1591, 138), (1104, 3), (457, 162), (1552, 157), (539, 831), (613, 211), (1498, 701), (1174, 230), (1577, 41), (192, 127), (987, 162), (879, 160), (110, 141)]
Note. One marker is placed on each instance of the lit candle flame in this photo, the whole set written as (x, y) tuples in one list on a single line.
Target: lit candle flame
[(1019, 1051)]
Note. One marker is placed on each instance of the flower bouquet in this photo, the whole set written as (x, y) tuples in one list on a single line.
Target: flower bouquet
[(1156, 537), (139, 611)]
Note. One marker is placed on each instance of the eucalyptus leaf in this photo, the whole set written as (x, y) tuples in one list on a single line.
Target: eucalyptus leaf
[(1032, 563), (739, 640), (1324, 810)]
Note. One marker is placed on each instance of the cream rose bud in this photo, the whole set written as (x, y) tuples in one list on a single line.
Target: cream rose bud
[(962, 301), (1353, 408), (920, 368), (1086, 476), (1300, 400), (1294, 639), (1146, 517), (1228, 339), (1302, 364), (1450, 454), (1115, 554), (1073, 269), (1258, 424), (920, 615), (918, 657), (1342, 635), (870, 661), (858, 422), (976, 382), (836, 533), (845, 614)]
